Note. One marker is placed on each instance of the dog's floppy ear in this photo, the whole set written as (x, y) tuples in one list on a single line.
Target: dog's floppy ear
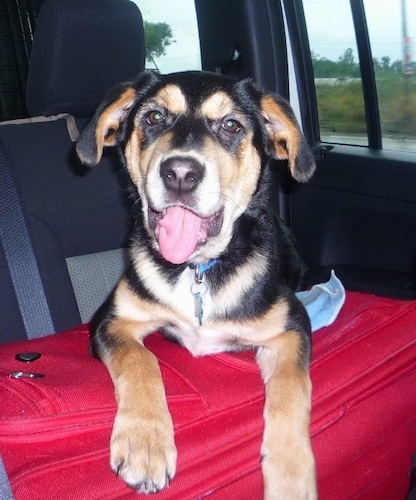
[(103, 128), (287, 140)]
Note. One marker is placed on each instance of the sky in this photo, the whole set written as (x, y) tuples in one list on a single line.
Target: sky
[(331, 29), (181, 16), (329, 24)]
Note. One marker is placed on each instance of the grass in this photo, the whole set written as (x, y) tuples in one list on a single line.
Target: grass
[(341, 107)]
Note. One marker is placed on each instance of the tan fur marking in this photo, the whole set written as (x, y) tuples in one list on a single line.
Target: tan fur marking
[(132, 153), (143, 422), (241, 176), (283, 132), (288, 463), (217, 336), (178, 297), (144, 315), (217, 106), (229, 183), (143, 165), (109, 122), (231, 294), (172, 98)]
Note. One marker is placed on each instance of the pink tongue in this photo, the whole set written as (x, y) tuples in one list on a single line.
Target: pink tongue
[(178, 234)]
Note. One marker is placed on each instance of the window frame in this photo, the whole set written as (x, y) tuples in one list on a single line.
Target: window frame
[(368, 78), (298, 32)]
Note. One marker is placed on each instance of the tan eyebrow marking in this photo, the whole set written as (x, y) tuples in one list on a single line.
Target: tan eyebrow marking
[(217, 106), (172, 98)]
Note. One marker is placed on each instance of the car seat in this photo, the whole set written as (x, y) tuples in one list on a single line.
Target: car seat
[(76, 220), (55, 430)]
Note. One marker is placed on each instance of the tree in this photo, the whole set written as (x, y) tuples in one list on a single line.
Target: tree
[(158, 37), (323, 67), (347, 66), (347, 57), (397, 67), (385, 63)]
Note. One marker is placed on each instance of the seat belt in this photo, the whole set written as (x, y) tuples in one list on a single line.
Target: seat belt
[(5, 489), (20, 257)]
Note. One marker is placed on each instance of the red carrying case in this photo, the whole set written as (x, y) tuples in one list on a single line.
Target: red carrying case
[(55, 430)]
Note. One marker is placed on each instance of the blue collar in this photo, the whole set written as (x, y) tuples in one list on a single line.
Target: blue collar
[(201, 268)]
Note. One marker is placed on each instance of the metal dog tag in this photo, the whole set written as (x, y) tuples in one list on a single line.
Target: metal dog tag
[(198, 289), (199, 307)]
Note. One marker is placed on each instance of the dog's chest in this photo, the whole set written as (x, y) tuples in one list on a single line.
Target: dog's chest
[(195, 314), (191, 297)]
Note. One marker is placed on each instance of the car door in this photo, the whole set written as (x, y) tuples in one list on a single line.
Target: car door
[(362, 201), (346, 67)]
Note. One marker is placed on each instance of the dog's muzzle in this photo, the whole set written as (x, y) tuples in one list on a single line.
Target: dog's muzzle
[(179, 227), (180, 231)]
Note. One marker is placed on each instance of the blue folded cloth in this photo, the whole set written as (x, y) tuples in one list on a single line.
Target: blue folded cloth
[(323, 302)]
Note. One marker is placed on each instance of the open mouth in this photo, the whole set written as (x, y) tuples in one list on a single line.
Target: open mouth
[(179, 231)]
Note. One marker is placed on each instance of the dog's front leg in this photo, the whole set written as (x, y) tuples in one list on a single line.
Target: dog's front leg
[(287, 460), (142, 449)]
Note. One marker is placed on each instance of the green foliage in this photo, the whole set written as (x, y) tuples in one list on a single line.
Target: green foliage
[(158, 37), (397, 101), (341, 109), (347, 67), (340, 96)]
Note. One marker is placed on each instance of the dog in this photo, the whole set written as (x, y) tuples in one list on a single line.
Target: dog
[(210, 265)]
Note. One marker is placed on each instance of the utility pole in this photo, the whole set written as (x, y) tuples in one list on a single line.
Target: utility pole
[(407, 44)]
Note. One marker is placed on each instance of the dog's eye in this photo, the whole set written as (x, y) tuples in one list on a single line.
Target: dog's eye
[(155, 118), (231, 126)]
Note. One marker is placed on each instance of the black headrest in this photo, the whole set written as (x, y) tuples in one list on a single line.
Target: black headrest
[(81, 49)]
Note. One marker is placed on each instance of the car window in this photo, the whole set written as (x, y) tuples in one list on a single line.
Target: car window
[(391, 32), (336, 71), (171, 37), (339, 81), (171, 33)]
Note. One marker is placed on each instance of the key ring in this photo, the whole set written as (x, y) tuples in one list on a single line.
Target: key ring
[(18, 374)]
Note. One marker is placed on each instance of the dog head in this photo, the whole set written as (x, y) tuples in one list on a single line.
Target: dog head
[(195, 145)]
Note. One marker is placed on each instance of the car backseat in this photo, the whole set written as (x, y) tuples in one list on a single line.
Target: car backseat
[(55, 427), (76, 220)]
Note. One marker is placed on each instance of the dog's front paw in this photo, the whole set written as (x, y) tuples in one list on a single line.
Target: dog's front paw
[(289, 474), (143, 452)]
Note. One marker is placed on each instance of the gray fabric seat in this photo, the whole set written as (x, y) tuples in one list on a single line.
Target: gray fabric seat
[(77, 220)]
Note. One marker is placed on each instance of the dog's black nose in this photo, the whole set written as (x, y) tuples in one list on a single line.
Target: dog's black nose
[(181, 174)]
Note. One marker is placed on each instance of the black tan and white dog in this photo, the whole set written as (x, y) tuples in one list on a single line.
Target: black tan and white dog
[(210, 265)]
